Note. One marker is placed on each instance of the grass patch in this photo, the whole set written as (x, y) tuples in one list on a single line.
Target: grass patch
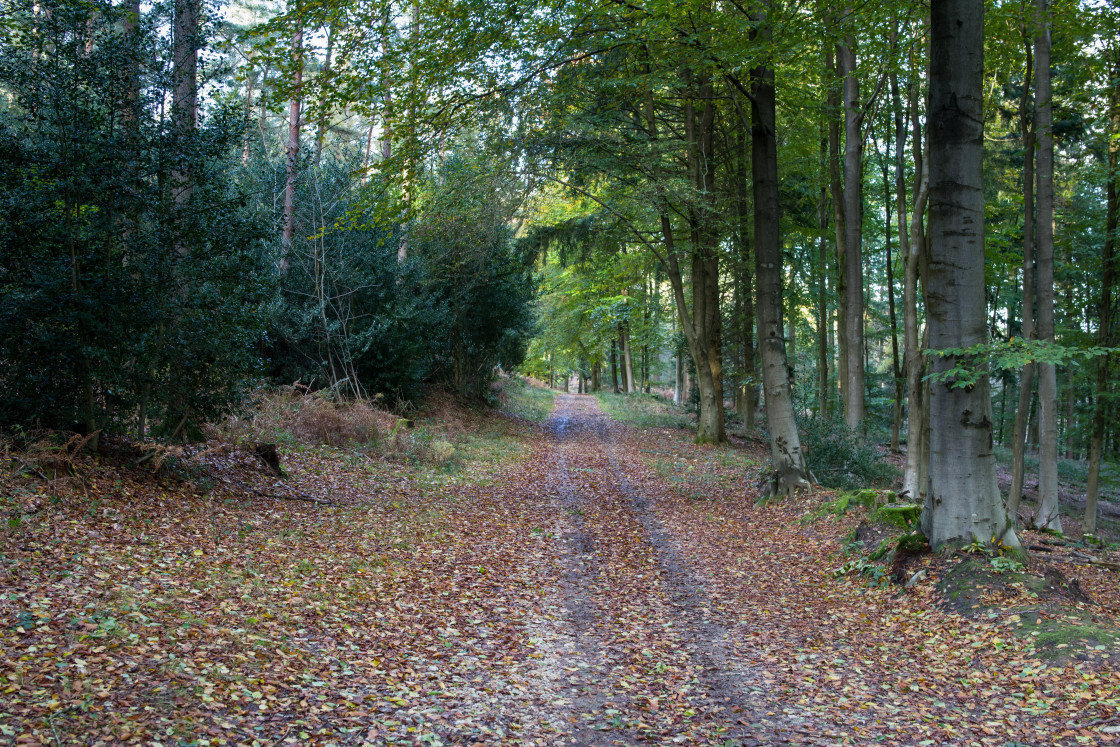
[(644, 410), (524, 400)]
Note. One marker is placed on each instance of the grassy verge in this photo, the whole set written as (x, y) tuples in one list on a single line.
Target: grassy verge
[(524, 400), (644, 410)]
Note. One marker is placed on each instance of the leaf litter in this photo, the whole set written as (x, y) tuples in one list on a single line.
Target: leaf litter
[(564, 587)]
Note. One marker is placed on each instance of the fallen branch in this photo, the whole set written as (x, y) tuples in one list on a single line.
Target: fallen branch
[(1083, 559), (283, 497)]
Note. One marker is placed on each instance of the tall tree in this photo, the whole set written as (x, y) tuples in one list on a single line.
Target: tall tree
[(785, 442), (1108, 277), (295, 105), (1047, 516), (851, 266), (1027, 374), (963, 504)]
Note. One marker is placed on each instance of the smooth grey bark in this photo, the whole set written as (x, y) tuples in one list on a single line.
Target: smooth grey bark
[(1108, 260), (1048, 516), (1027, 374), (184, 101), (785, 443), (914, 482), (851, 268), (836, 187), (963, 504), (292, 161), (822, 298), (896, 369), (324, 115), (614, 367)]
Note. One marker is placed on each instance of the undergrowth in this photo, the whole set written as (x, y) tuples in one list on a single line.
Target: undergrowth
[(841, 459), (644, 410), (519, 397)]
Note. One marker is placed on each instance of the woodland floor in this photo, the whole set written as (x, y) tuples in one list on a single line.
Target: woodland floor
[(583, 582)]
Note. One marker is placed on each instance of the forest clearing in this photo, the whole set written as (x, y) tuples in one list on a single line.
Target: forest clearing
[(574, 580)]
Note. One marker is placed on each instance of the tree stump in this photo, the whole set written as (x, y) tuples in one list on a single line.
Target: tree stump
[(267, 453)]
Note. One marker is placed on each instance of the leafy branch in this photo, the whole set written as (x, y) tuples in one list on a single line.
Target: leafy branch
[(970, 364)]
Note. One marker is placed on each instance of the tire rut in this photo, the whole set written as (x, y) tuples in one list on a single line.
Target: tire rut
[(581, 654)]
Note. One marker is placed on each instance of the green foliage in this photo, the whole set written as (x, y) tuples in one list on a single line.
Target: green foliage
[(119, 302), (867, 568), (841, 459), (1002, 564), (914, 543), (644, 410), (525, 400), (969, 365)]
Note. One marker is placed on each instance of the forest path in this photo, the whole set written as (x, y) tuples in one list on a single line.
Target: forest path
[(634, 649)]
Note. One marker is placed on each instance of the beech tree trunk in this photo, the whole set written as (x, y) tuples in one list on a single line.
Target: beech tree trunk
[(701, 320), (822, 298), (1026, 375), (184, 102), (1108, 260), (292, 164), (614, 367), (324, 114), (785, 443), (963, 504), (852, 265), (1047, 516), (914, 482), (837, 188)]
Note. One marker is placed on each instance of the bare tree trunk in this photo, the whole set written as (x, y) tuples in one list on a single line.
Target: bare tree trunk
[(627, 357), (896, 421), (838, 219), (747, 399), (1026, 375), (852, 266), (292, 165), (915, 483), (964, 502), (1108, 260), (785, 442), (184, 103), (614, 367), (324, 115), (822, 289), (1048, 516)]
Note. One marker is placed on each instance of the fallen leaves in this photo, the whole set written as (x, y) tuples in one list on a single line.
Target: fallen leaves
[(589, 585)]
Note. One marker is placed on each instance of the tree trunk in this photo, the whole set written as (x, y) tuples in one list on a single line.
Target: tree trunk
[(900, 215), (750, 396), (822, 287), (1026, 375), (292, 163), (1108, 260), (624, 343), (614, 366), (914, 481), (324, 114), (184, 102), (852, 266), (838, 218), (785, 443), (964, 503), (1048, 516)]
